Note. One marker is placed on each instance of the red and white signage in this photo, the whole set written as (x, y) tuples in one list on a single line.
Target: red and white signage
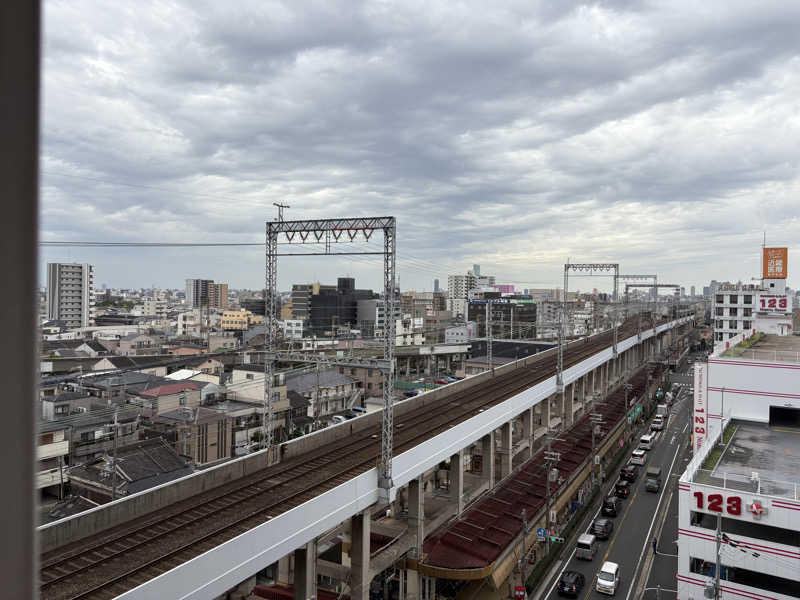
[(700, 420), (773, 303)]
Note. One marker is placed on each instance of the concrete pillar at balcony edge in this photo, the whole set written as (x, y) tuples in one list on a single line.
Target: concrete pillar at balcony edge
[(360, 526), (305, 571), (457, 480), (285, 570)]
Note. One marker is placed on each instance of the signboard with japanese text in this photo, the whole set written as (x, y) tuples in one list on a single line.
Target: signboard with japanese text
[(773, 303), (700, 417), (774, 263)]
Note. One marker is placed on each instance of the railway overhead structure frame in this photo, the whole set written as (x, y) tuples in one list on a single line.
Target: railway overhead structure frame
[(328, 232)]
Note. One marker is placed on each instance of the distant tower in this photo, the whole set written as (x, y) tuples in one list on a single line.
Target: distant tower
[(435, 285), (476, 270), (70, 293)]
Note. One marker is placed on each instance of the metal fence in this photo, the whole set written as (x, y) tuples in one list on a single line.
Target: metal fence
[(773, 355), (742, 483)]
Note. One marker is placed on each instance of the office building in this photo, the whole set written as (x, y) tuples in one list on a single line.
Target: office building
[(70, 294)]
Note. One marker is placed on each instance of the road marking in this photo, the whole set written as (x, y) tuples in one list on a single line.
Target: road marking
[(652, 523), (786, 431), (672, 441), (685, 427)]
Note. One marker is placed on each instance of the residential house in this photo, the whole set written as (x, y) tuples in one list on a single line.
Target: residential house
[(52, 454), (134, 344), (336, 391), (144, 364), (167, 397), (201, 434), (93, 347), (139, 466)]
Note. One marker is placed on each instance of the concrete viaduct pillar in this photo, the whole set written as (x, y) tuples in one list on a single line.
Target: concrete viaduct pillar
[(457, 480), (305, 572), (487, 458), (360, 526), (528, 431), (506, 449)]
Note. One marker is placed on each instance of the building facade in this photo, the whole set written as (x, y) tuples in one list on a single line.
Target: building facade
[(70, 294), (746, 490)]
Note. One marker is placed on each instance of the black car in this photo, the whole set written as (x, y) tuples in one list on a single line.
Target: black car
[(610, 506), (571, 583), (602, 528), (622, 489), (628, 473)]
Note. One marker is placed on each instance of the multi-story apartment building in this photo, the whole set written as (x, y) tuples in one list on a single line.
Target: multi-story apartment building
[(734, 306), (204, 292), (372, 317), (239, 320), (154, 306), (70, 294)]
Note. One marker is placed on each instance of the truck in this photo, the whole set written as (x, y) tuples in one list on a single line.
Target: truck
[(652, 482), (662, 410)]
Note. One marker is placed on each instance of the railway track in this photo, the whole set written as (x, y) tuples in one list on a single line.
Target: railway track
[(106, 565)]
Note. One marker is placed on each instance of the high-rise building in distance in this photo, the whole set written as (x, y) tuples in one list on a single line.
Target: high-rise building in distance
[(204, 292), (70, 293)]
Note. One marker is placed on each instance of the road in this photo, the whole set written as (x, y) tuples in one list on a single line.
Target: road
[(634, 527)]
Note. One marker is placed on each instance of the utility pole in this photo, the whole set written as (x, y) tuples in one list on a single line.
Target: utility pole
[(627, 387), (114, 461), (316, 400), (596, 421), (550, 458), (717, 569), (489, 334), (524, 553), (280, 209)]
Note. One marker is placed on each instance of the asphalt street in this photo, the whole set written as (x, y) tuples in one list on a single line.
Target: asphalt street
[(635, 525)]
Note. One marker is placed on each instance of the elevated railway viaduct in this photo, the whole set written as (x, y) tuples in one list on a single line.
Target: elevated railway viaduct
[(203, 535)]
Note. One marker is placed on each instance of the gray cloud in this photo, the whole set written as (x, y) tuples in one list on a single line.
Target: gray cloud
[(664, 137)]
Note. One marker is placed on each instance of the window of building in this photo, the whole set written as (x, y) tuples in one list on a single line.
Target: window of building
[(720, 324), (369, 386), (745, 324), (732, 324), (751, 529), (249, 376), (756, 579), (748, 299), (732, 334), (733, 311), (62, 409), (748, 312), (720, 298), (719, 311), (734, 299)]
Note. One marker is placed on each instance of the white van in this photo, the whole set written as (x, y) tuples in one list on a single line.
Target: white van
[(608, 578), (646, 441), (586, 547)]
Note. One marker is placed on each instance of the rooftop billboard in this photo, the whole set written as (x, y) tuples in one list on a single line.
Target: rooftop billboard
[(774, 263)]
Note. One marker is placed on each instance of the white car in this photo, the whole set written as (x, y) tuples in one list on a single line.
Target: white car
[(638, 457), (657, 424), (608, 578)]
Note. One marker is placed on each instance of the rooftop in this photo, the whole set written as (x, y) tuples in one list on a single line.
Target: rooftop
[(784, 348), (771, 452)]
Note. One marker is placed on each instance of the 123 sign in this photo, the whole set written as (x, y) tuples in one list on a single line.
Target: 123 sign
[(773, 303), (718, 503)]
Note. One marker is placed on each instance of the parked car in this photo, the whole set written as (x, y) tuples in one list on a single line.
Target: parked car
[(571, 583), (608, 578), (441, 381), (638, 457), (628, 472), (622, 489), (602, 528), (610, 506), (450, 379)]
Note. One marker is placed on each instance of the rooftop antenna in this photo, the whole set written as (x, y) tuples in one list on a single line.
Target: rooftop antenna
[(280, 209)]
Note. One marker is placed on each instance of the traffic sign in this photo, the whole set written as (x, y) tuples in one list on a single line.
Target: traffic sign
[(556, 540), (541, 533)]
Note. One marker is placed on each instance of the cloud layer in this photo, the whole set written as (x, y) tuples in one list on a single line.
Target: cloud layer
[(663, 136)]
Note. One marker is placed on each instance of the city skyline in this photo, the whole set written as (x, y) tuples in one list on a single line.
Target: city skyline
[(517, 138)]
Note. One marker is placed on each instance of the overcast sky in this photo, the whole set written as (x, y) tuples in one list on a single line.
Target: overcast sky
[(661, 135)]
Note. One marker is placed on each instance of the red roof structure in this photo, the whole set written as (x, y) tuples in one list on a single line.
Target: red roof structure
[(170, 388)]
